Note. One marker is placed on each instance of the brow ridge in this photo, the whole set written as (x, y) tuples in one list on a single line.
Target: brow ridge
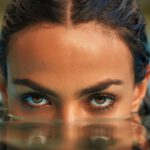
[(36, 86), (100, 86)]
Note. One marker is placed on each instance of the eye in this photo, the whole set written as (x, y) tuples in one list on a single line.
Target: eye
[(35, 99), (102, 101)]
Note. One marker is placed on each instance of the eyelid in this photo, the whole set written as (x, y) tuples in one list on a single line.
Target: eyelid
[(31, 103), (23, 97), (111, 96), (102, 94), (33, 94), (54, 100), (39, 94), (100, 109)]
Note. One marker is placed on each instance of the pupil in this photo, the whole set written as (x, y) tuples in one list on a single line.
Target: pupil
[(37, 99), (100, 101)]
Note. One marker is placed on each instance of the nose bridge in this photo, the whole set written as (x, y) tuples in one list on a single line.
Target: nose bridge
[(70, 111)]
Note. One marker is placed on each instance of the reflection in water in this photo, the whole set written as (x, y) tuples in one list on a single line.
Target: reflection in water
[(98, 135)]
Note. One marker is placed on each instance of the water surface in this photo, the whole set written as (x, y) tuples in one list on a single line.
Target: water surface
[(131, 134)]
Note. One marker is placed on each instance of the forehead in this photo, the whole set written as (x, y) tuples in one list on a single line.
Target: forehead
[(86, 49)]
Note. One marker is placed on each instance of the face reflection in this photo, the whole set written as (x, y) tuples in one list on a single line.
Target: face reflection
[(82, 72), (83, 136)]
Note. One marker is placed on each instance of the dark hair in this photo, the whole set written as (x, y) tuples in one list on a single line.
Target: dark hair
[(123, 16)]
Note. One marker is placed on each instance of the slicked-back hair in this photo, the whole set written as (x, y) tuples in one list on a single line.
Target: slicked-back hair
[(123, 16)]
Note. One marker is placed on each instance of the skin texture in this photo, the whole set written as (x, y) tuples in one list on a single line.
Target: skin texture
[(68, 60)]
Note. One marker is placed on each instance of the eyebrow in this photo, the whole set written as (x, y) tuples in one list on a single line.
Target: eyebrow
[(35, 86), (103, 85)]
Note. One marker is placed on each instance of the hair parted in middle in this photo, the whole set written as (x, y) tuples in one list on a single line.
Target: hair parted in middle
[(122, 16)]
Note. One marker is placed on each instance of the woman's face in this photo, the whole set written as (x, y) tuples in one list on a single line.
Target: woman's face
[(73, 73)]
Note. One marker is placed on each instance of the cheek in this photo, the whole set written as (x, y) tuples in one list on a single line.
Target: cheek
[(123, 108)]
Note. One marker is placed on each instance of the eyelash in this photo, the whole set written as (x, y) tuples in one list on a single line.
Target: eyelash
[(108, 99), (34, 95)]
